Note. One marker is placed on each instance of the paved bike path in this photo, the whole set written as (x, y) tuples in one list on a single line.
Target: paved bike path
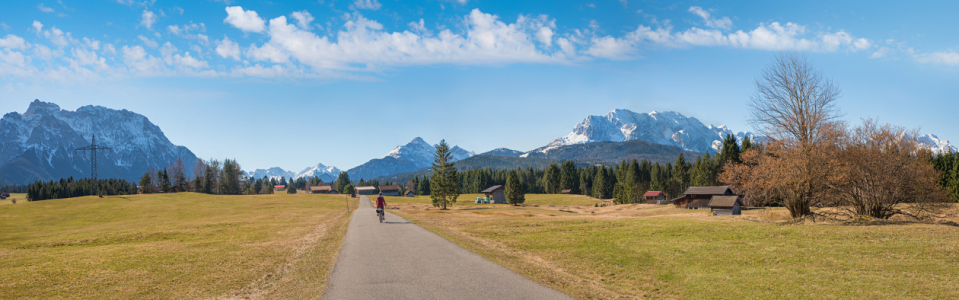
[(397, 259)]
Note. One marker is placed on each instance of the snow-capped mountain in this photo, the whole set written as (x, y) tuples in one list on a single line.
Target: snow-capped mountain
[(665, 128), (40, 144), (415, 155), (937, 145), (327, 174)]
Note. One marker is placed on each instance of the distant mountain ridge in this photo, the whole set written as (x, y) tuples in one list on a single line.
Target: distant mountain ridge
[(664, 128), (323, 172), (415, 155), (39, 144)]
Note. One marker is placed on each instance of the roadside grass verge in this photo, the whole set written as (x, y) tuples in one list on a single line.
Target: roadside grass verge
[(649, 251), (183, 245)]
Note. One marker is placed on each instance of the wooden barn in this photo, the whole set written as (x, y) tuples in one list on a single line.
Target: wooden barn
[(322, 189), (655, 197), (697, 197), (726, 205), (4, 195), (496, 193), (566, 192), (366, 190), (279, 188), (391, 190), (410, 194)]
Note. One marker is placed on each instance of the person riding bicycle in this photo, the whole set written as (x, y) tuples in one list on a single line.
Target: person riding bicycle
[(380, 204)]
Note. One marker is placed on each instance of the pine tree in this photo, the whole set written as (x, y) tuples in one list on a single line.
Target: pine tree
[(341, 181), (954, 189), (267, 186), (730, 151), (569, 179), (291, 189), (423, 188), (599, 183), (146, 183), (514, 190), (551, 179), (444, 182)]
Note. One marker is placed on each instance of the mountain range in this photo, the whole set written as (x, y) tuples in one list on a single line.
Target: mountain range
[(40, 144)]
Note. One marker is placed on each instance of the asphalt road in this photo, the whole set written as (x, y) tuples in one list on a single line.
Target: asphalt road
[(397, 259)]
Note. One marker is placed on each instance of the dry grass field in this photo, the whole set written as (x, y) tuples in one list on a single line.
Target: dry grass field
[(15, 198), (651, 251), (171, 246)]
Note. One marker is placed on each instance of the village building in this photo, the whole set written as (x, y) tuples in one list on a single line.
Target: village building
[(655, 197), (322, 189), (496, 194), (4, 195), (697, 197), (567, 191), (366, 190), (410, 194), (279, 188), (726, 205), (391, 190)]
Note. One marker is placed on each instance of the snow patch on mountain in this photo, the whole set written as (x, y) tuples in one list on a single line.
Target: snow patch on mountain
[(937, 145), (665, 128), (325, 173)]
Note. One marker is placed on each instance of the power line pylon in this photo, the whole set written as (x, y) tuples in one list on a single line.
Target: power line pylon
[(93, 161)]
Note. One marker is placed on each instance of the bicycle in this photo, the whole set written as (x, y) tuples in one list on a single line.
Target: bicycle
[(380, 213)]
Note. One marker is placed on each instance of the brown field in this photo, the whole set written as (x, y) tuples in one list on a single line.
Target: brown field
[(172, 246), (652, 251)]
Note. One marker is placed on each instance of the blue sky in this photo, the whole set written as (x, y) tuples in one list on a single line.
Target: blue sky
[(291, 84)]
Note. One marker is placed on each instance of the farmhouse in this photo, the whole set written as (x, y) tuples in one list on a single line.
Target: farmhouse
[(279, 188), (698, 196), (391, 190), (323, 189), (495, 193), (655, 197), (725, 205), (366, 190)]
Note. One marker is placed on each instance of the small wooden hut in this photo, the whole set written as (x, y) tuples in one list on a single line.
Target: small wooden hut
[(496, 194), (391, 190), (697, 197), (410, 194), (322, 189), (726, 205), (655, 197), (365, 190)]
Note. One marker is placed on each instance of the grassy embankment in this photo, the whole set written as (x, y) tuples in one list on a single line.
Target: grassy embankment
[(171, 246), (650, 251)]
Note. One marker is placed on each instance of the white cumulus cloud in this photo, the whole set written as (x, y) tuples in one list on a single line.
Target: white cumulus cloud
[(943, 57), (13, 42), (303, 18), (724, 23), (367, 4), (245, 20), (148, 18), (228, 49)]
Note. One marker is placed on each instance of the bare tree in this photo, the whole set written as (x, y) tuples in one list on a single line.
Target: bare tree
[(793, 101), (794, 106), (883, 167)]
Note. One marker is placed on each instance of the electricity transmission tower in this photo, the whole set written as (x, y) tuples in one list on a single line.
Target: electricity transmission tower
[(93, 161)]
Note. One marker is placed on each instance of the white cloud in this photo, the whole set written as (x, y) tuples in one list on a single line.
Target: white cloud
[(724, 23), (624, 2), (882, 52), (44, 8), (37, 27), (148, 18), (186, 31), (109, 49), (303, 18), (45, 53), (226, 48), (91, 43), (419, 27), (943, 58), (367, 4), (147, 41), (138, 62), (245, 20), (13, 42), (86, 57)]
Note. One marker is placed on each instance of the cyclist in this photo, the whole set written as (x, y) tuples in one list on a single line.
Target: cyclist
[(380, 206)]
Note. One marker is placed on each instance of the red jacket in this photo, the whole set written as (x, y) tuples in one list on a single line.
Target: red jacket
[(380, 202)]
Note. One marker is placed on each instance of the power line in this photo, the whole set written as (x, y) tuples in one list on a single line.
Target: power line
[(93, 147)]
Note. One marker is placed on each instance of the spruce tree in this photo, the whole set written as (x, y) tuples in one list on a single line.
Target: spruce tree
[(730, 151), (569, 179), (291, 189), (514, 190), (146, 182), (444, 182), (341, 181)]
